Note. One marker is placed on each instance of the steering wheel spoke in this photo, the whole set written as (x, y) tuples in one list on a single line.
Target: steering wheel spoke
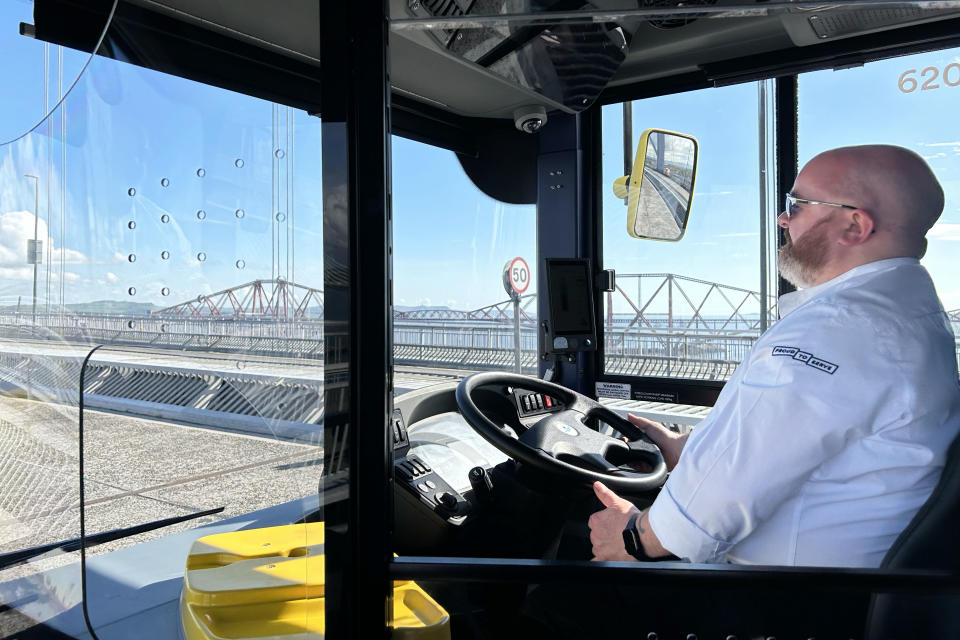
[(561, 443), (620, 472), (643, 446), (598, 462)]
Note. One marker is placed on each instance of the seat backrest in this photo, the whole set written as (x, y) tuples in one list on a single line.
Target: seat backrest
[(930, 541)]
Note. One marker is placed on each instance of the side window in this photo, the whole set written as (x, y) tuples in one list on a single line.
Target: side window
[(690, 309), (908, 101)]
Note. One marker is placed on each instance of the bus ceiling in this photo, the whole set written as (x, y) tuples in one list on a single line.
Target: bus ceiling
[(639, 56), (451, 96)]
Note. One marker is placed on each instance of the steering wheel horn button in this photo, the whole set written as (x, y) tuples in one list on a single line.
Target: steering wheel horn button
[(567, 429)]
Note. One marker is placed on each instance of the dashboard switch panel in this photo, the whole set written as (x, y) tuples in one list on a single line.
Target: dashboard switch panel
[(531, 404), (419, 479)]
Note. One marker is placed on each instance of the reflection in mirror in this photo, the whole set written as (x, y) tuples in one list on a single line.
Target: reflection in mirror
[(659, 190)]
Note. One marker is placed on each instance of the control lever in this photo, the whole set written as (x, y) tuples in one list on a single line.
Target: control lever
[(482, 485), (447, 500)]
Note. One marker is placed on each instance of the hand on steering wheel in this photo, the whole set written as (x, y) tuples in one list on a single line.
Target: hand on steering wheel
[(561, 443)]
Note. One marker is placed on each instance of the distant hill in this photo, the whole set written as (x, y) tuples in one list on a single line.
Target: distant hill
[(421, 308), (119, 307)]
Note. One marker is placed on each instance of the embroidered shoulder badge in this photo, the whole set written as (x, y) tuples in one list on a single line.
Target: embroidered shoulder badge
[(807, 358)]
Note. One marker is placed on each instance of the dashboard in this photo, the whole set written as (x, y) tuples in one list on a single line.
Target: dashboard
[(451, 485)]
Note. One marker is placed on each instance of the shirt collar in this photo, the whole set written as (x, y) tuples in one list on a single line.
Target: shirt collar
[(790, 301)]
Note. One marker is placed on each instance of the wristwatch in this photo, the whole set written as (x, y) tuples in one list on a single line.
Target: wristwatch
[(631, 538)]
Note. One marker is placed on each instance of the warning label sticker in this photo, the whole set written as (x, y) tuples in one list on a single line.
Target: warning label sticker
[(657, 396), (613, 390)]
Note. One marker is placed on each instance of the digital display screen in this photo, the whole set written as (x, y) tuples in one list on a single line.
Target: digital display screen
[(571, 307)]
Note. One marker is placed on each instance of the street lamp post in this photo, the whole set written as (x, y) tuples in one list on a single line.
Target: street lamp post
[(35, 250)]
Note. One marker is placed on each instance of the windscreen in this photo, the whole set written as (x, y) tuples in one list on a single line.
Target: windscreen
[(692, 309), (905, 101)]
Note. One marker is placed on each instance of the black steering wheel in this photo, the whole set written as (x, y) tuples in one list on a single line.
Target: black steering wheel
[(563, 436)]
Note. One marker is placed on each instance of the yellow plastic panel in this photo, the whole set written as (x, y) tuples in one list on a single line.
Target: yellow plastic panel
[(267, 584), (225, 548)]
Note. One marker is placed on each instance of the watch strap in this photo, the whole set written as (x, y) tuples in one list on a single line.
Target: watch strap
[(631, 538)]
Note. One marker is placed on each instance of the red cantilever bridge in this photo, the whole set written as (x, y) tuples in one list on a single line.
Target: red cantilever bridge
[(258, 299), (288, 300), (281, 299)]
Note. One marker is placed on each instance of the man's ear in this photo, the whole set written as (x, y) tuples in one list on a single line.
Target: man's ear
[(860, 226)]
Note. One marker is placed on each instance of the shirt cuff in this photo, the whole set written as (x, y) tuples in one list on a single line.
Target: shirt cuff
[(680, 535)]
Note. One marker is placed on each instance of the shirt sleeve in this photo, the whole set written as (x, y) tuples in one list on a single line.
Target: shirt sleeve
[(806, 388)]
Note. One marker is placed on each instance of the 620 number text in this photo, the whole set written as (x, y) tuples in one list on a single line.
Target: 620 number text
[(908, 81)]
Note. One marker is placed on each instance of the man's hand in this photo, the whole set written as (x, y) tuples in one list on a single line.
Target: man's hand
[(670, 443), (606, 527)]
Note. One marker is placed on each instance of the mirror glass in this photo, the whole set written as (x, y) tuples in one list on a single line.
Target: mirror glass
[(659, 190)]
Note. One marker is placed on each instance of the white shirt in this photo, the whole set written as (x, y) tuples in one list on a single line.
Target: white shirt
[(830, 434)]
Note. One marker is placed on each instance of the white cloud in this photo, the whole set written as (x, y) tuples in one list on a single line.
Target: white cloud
[(944, 231), (935, 156), (16, 273), (16, 227), (939, 144), (698, 194), (112, 277)]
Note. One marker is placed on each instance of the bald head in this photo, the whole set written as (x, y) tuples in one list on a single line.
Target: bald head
[(895, 185), (863, 204)]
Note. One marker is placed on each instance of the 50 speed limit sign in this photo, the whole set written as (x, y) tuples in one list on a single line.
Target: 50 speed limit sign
[(516, 276)]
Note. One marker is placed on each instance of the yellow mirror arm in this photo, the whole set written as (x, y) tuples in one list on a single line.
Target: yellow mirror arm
[(620, 188)]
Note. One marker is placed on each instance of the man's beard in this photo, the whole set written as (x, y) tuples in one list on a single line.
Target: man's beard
[(801, 261)]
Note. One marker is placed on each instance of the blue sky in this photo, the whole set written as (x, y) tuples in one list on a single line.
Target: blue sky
[(131, 128)]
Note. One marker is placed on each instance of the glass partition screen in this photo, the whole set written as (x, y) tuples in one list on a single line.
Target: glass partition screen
[(161, 352)]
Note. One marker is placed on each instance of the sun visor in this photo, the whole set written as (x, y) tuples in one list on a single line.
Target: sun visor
[(505, 167)]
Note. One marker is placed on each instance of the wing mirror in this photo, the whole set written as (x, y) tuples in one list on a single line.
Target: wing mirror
[(659, 189)]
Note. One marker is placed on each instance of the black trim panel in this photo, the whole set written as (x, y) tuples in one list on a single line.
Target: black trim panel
[(156, 41), (670, 574), (787, 118)]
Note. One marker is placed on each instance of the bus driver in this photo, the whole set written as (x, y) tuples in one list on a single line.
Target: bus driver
[(833, 431)]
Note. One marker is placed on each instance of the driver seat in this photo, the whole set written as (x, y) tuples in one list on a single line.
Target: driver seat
[(928, 542)]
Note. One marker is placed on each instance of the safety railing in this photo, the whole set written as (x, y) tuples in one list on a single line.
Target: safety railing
[(483, 338)]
